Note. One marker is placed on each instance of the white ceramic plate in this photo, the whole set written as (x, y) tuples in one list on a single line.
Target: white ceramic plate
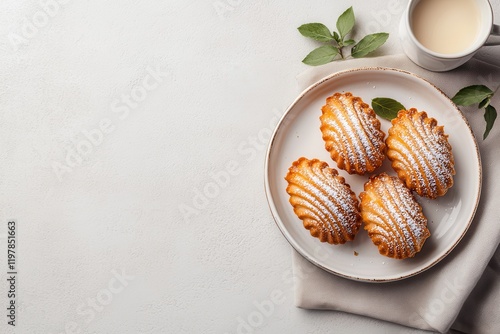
[(298, 134)]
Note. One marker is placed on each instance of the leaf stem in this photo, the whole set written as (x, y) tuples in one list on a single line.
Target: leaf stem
[(340, 52)]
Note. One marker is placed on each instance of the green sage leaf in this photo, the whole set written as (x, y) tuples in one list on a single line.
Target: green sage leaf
[(484, 103), (471, 95), (345, 22), (322, 55), (386, 108), (349, 42), (490, 115), (369, 44), (336, 37), (316, 31)]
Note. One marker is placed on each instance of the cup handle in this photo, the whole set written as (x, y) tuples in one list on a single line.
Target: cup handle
[(495, 31)]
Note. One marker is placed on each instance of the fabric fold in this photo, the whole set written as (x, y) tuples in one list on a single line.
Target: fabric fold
[(460, 292)]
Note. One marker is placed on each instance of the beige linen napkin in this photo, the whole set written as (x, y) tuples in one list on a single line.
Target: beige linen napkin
[(463, 290)]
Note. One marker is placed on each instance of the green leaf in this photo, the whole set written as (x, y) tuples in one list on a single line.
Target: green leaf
[(322, 55), (349, 42), (345, 22), (316, 31), (490, 115), (484, 103), (386, 108), (368, 44), (472, 94), (336, 37)]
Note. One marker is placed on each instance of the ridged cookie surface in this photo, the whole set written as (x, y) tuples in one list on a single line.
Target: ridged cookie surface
[(420, 153), (323, 201), (392, 217), (352, 134)]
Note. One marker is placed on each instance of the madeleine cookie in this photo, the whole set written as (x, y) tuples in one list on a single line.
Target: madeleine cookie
[(323, 201), (392, 217), (420, 153), (352, 134)]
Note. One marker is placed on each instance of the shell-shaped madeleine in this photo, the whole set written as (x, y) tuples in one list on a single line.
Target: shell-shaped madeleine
[(420, 153), (352, 134), (392, 217), (327, 206)]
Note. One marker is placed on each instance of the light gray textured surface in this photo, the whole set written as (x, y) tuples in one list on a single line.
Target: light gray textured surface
[(105, 247)]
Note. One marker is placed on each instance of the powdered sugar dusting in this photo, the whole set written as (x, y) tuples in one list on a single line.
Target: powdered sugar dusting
[(352, 133), (319, 195), (421, 153), (393, 218)]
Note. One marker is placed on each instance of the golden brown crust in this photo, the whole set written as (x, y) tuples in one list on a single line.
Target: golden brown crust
[(320, 197), (352, 134), (420, 153), (392, 217)]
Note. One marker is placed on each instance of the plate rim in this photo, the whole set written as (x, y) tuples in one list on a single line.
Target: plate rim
[(272, 205)]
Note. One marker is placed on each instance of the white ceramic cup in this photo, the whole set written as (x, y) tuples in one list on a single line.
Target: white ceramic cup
[(440, 62)]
